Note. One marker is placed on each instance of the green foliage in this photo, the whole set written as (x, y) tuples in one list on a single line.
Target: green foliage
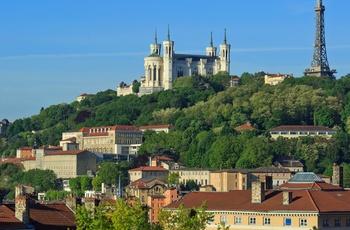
[(42, 180), (185, 219), (173, 178), (120, 215), (78, 185), (56, 194)]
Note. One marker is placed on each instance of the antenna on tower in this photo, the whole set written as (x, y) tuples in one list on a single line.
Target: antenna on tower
[(319, 64)]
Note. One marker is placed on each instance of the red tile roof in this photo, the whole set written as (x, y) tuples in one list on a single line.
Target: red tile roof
[(301, 128), (314, 186), (8, 219), (148, 168), (162, 158), (244, 127), (50, 216), (240, 200), (67, 152), (70, 139)]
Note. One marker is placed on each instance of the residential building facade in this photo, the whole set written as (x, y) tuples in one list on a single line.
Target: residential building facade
[(147, 172), (274, 79), (295, 131), (200, 176)]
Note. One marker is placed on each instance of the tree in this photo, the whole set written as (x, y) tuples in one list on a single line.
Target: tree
[(185, 219), (120, 215), (173, 178)]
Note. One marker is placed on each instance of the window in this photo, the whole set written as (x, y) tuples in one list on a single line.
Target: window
[(267, 221), (347, 222), (274, 132), (287, 221), (325, 223), (238, 220), (252, 220), (337, 222), (293, 133), (303, 222), (223, 219)]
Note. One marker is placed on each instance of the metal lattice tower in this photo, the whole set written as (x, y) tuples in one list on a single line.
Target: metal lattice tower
[(319, 64)]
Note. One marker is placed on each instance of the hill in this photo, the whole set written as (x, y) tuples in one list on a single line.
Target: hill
[(205, 111)]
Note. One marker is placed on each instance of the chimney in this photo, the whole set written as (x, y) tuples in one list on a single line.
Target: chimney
[(267, 180), (90, 203), (337, 178), (287, 198), (71, 202), (258, 192), (21, 205)]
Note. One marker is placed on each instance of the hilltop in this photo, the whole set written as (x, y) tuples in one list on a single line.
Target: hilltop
[(204, 112)]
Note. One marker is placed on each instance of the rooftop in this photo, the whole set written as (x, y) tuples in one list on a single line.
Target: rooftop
[(301, 128)]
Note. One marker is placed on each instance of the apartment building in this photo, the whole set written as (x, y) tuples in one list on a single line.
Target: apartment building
[(295, 131), (120, 139), (200, 176), (148, 171)]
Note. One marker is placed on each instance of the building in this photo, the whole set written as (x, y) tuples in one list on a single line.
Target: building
[(274, 79), (297, 208), (120, 139), (295, 131), (200, 176), (28, 214), (234, 81), (82, 97), (65, 163), (291, 164), (144, 187), (157, 201), (147, 172), (162, 70), (244, 127), (241, 179), (157, 128)]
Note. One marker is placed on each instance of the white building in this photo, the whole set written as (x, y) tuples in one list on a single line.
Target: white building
[(162, 71)]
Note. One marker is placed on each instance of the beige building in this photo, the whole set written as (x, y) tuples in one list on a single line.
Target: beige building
[(241, 179), (293, 209), (200, 176), (295, 131), (65, 163), (148, 171), (142, 188), (274, 79), (119, 139), (157, 128)]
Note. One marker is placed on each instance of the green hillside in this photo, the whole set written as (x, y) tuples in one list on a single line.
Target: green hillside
[(205, 111)]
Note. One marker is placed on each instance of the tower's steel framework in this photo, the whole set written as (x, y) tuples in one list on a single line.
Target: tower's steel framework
[(319, 64)]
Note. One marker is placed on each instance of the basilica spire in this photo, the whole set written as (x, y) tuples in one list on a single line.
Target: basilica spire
[(211, 39), (155, 36), (168, 32), (225, 42)]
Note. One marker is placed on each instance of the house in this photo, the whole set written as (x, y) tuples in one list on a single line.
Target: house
[(82, 97), (144, 187), (148, 171), (274, 79), (234, 81), (290, 163), (28, 214), (162, 161), (295, 131), (157, 201), (244, 127)]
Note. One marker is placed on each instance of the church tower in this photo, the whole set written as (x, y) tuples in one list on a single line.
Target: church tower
[(168, 62), (155, 47), (225, 55), (211, 51)]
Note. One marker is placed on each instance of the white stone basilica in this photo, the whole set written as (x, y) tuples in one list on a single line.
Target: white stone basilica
[(161, 71)]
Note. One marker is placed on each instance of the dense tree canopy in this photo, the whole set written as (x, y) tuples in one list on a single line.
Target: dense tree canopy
[(204, 111)]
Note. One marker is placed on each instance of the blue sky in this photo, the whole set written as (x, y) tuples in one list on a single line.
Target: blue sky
[(53, 51)]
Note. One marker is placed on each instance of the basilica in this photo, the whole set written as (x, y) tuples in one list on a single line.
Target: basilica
[(162, 70)]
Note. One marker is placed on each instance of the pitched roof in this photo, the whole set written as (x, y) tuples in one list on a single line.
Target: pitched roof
[(50, 216), (240, 200), (301, 128), (244, 127), (70, 139), (66, 152), (310, 185), (146, 182), (8, 219), (148, 168), (162, 158)]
